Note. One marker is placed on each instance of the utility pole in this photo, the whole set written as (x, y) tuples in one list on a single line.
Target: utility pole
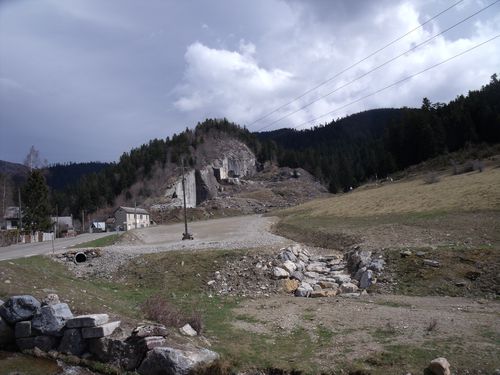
[(3, 197), (20, 210), (135, 213), (186, 235)]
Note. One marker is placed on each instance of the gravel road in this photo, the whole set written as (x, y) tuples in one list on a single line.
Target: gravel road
[(228, 233)]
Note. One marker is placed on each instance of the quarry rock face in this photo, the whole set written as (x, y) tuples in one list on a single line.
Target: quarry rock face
[(223, 162)]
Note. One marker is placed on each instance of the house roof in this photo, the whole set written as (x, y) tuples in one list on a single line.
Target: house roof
[(11, 213), (132, 210)]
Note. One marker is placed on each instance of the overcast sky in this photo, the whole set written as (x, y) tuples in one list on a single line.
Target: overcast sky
[(86, 80)]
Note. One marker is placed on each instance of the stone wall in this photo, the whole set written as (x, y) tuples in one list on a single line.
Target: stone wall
[(27, 324)]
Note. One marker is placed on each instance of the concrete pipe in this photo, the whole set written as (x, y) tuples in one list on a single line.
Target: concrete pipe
[(80, 258)]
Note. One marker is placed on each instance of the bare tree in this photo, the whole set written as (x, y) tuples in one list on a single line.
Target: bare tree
[(33, 159)]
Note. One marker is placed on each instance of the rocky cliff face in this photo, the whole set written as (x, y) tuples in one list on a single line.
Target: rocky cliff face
[(219, 161)]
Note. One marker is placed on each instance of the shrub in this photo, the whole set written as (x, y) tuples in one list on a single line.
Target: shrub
[(431, 178), (158, 309), (468, 166)]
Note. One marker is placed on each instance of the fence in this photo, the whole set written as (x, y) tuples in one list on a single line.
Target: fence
[(11, 237)]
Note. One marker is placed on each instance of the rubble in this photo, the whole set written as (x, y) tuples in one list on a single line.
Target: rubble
[(295, 270)]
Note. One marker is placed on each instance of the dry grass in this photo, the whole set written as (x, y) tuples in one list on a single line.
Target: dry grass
[(465, 192)]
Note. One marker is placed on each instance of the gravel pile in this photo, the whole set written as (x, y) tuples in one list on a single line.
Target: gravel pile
[(103, 264)]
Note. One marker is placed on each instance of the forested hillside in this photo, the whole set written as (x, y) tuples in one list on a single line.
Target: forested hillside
[(348, 151), (342, 154)]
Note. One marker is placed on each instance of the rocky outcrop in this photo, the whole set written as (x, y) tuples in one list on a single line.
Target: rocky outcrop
[(224, 162)]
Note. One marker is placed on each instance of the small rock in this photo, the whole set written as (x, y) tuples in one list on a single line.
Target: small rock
[(280, 273), (440, 366), (51, 299), (366, 279), (420, 254), (311, 275), (359, 273), (152, 342), (187, 330), (319, 293), (150, 330), (290, 285), (405, 253), (289, 266), (348, 288), (377, 265), (297, 275), (328, 284), (432, 263), (211, 282)]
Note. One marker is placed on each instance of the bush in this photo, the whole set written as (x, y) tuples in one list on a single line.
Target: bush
[(158, 309), (468, 166), (431, 178)]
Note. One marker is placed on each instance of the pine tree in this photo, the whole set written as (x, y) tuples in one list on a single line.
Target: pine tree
[(36, 207)]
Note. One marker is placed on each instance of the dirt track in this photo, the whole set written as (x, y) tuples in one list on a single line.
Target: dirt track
[(227, 233)]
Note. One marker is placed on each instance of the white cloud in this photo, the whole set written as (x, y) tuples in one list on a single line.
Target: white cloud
[(221, 83), (246, 84)]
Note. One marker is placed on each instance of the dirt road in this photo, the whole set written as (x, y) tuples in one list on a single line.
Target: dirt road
[(40, 248), (228, 233)]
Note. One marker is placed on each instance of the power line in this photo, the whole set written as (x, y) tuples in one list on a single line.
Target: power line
[(398, 82), (379, 66), (355, 64)]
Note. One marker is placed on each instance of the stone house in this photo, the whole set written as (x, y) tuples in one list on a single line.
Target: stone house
[(128, 218), (11, 218)]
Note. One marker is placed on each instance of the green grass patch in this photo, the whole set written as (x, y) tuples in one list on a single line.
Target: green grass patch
[(17, 363), (100, 242)]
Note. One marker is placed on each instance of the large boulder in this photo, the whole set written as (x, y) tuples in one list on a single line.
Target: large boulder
[(125, 354), (6, 335), (84, 321), (51, 319), (170, 361), (73, 342), (19, 308)]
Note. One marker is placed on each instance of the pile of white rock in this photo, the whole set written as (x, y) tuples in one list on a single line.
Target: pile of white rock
[(26, 324), (308, 275)]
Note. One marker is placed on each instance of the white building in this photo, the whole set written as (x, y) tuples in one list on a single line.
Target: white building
[(128, 218)]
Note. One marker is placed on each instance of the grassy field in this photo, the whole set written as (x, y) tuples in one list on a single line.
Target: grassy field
[(465, 192), (100, 242)]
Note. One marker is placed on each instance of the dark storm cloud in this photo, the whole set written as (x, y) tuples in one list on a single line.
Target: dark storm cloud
[(88, 80)]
